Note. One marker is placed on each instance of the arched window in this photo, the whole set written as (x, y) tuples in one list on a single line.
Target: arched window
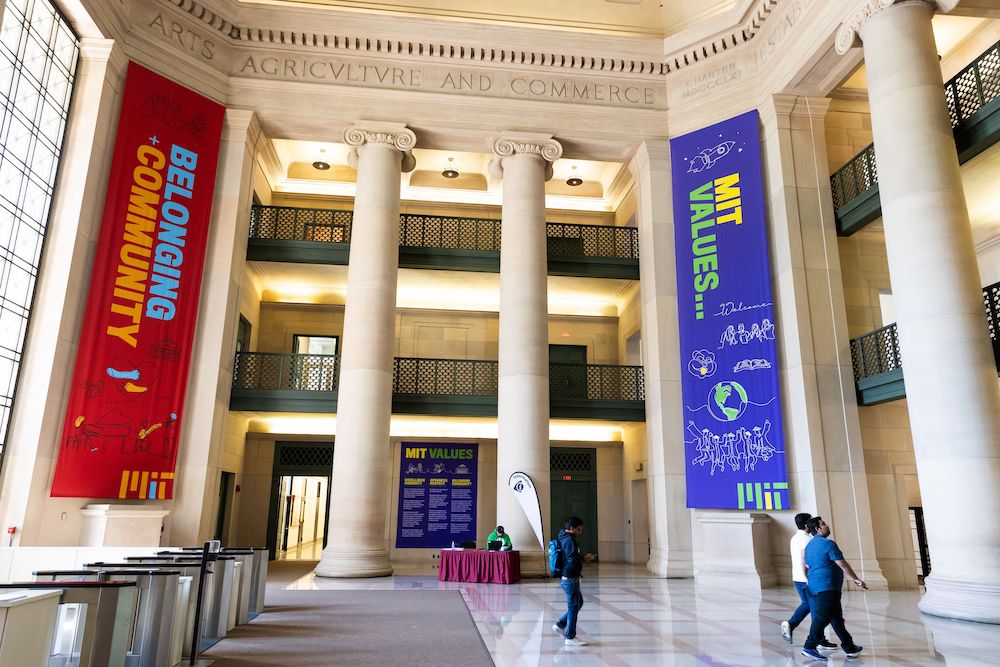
[(38, 59)]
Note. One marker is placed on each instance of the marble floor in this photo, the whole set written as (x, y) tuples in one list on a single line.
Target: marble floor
[(634, 619)]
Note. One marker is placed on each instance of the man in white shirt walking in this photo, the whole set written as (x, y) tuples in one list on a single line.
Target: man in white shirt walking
[(797, 547)]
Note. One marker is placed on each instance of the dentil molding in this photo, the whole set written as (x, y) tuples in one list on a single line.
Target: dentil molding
[(722, 42), (849, 34)]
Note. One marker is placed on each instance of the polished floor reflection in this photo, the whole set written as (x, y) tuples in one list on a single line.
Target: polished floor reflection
[(634, 619)]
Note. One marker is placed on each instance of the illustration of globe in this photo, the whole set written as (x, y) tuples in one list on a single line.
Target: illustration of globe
[(727, 401)]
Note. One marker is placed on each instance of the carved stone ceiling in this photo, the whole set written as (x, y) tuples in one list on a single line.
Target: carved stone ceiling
[(635, 17)]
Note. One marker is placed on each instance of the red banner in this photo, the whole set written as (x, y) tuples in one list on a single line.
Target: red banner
[(127, 397)]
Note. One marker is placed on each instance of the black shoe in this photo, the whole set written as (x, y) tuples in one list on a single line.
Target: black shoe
[(830, 646), (853, 651)]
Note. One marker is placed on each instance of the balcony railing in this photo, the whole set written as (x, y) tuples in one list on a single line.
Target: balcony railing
[(286, 223), (878, 366), (967, 93), (308, 382), (854, 177), (876, 352), (450, 377), (281, 371)]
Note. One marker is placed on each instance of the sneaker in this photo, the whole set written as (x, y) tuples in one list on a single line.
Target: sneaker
[(558, 630), (828, 645), (786, 631), (811, 653), (854, 651), (578, 642)]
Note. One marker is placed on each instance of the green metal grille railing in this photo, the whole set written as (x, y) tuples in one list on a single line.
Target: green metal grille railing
[(854, 177), (878, 351), (275, 370), (448, 377), (288, 223), (451, 377), (443, 231), (285, 223), (596, 382), (966, 93)]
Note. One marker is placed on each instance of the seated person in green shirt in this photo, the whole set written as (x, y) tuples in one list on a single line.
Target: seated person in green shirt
[(499, 535)]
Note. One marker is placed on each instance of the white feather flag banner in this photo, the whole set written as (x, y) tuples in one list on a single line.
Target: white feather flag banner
[(526, 494)]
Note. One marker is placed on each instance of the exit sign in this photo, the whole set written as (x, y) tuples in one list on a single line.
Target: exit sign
[(567, 478)]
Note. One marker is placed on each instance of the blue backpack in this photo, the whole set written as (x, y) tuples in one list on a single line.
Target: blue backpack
[(556, 559)]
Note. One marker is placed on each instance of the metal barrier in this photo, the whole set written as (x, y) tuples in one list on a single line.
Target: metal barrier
[(153, 619), (104, 613)]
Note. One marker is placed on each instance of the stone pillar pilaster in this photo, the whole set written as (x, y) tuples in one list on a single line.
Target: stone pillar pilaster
[(951, 380), (824, 454), (361, 453), (669, 518), (207, 418), (524, 161)]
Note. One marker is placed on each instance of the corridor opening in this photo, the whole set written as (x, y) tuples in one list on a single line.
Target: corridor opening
[(300, 500)]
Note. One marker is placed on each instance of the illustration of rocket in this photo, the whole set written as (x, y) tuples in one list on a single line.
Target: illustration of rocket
[(707, 158)]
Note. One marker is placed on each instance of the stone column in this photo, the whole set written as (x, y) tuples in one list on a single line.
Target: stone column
[(951, 380), (669, 518), (524, 161), (357, 540), (57, 310)]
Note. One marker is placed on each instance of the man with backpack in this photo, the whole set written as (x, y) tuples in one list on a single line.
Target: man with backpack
[(566, 562)]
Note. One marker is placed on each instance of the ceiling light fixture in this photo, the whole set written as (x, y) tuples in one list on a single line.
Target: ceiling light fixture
[(449, 170), (574, 180), (320, 165)]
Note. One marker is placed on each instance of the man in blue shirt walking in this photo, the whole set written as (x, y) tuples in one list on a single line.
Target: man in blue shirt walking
[(825, 569), (573, 562)]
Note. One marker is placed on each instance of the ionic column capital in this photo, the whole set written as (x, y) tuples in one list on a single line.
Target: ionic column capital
[(509, 144), (849, 34), (391, 135)]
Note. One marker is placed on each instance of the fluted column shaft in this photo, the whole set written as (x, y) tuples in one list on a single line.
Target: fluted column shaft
[(356, 545), (951, 379), (524, 162)]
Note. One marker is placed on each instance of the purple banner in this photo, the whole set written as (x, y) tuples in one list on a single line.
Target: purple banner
[(734, 443), (437, 494)]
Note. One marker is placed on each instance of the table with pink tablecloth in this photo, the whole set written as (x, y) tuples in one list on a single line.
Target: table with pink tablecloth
[(491, 567)]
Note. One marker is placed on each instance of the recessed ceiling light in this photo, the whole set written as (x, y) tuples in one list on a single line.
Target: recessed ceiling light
[(574, 180), (449, 170), (320, 165)]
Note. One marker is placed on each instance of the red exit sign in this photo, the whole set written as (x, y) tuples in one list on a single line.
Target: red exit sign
[(567, 478)]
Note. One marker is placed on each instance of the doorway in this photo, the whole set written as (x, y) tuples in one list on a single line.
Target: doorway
[(302, 516), (300, 500), (568, 370), (225, 507), (574, 493)]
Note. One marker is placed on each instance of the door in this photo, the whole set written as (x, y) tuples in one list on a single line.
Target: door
[(300, 499), (568, 370), (225, 506), (640, 522), (574, 493)]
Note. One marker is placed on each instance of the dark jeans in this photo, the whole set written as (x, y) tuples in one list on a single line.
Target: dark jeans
[(826, 610), (803, 609), (574, 601)]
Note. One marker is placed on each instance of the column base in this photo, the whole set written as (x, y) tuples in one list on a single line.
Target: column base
[(349, 563), (961, 600), (874, 578), (671, 564)]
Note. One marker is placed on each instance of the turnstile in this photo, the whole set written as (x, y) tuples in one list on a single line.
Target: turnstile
[(153, 621), (106, 621)]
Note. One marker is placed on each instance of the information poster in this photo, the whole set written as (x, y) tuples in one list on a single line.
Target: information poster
[(733, 435), (126, 401), (437, 495)]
